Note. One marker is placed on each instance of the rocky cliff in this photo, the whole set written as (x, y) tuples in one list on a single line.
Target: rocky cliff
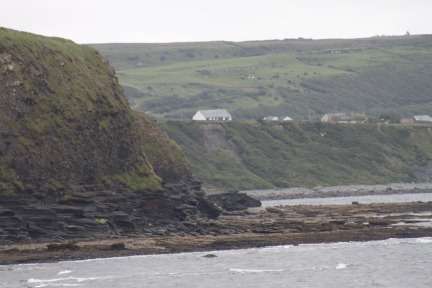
[(75, 161), (64, 119)]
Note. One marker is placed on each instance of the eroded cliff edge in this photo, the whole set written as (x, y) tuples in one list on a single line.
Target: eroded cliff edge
[(75, 161)]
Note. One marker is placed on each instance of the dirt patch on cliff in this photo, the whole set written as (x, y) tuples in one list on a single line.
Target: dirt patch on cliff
[(215, 138)]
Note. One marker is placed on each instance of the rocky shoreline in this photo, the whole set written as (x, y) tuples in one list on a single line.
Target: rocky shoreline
[(287, 225)]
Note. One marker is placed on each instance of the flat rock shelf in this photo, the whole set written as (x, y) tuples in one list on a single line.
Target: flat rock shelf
[(282, 225)]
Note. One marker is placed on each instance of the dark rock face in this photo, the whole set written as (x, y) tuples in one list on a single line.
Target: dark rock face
[(234, 201), (87, 214)]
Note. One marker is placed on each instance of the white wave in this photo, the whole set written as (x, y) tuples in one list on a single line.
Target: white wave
[(254, 270), (318, 268), (342, 266), (76, 279), (33, 280), (425, 240), (390, 241), (56, 285), (64, 272)]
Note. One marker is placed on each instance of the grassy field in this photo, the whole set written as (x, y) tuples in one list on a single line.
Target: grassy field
[(303, 79)]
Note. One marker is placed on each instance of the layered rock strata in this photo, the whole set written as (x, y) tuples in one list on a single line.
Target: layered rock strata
[(89, 213)]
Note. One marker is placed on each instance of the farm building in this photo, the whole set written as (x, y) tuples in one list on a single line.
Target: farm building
[(271, 118), (422, 119), (212, 115), (287, 118)]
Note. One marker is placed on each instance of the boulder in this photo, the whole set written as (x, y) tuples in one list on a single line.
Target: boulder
[(234, 201)]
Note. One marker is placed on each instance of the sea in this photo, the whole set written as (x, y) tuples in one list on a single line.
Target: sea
[(394, 263), (365, 199)]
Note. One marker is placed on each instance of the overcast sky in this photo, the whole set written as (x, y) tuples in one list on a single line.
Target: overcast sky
[(150, 21)]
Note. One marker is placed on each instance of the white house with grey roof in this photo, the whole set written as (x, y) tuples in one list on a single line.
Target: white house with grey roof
[(212, 115), (422, 119)]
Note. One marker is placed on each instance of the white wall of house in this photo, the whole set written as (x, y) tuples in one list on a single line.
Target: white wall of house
[(422, 118), (199, 116)]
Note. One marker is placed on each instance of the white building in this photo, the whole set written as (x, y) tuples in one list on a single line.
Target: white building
[(212, 115), (271, 118), (423, 118)]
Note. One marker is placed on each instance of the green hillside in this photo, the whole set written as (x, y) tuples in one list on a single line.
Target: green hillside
[(257, 155), (303, 79), (65, 121)]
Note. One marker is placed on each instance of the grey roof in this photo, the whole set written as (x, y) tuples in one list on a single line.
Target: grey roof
[(217, 113)]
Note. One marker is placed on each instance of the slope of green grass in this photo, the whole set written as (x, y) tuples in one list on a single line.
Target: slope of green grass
[(287, 154)]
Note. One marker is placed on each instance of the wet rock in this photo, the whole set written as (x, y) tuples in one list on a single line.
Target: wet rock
[(75, 228), (378, 222), (233, 201), (118, 246), (267, 230), (35, 231), (126, 226), (63, 246), (6, 212), (69, 210), (39, 211), (273, 210)]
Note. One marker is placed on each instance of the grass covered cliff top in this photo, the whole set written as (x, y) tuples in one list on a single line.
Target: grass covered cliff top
[(64, 119)]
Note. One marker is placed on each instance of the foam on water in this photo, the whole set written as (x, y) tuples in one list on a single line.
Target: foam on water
[(425, 240), (69, 281), (57, 285), (342, 266), (254, 270)]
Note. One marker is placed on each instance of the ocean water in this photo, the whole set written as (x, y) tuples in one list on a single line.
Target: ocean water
[(394, 263), (366, 199)]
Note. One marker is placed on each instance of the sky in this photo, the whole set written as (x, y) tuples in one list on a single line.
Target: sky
[(165, 21)]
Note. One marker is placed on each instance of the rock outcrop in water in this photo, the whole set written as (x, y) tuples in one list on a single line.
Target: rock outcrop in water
[(234, 201), (75, 161)]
